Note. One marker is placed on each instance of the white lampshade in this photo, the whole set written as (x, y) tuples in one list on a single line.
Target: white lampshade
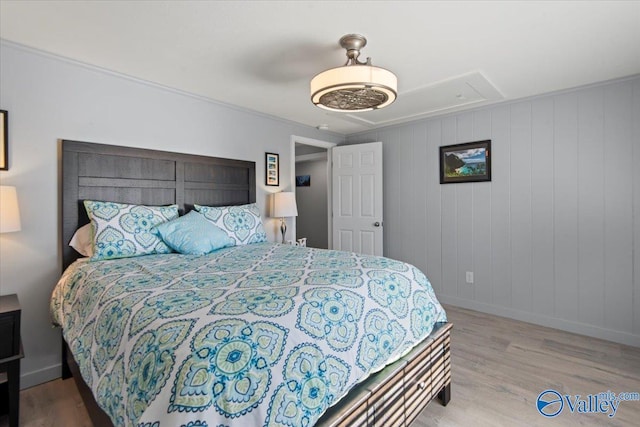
[(283, 204), (9, 211)]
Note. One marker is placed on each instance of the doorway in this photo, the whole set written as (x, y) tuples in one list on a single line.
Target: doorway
[(311, 181)]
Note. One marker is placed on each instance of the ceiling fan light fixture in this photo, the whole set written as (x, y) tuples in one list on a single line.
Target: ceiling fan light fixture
[(356, 86)]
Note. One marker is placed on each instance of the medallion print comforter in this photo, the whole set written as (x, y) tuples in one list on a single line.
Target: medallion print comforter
[(263, 334)]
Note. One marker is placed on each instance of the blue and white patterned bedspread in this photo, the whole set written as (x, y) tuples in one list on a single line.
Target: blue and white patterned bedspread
[(263, 334)]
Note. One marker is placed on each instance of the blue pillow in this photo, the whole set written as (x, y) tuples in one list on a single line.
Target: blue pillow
[(192, 234)]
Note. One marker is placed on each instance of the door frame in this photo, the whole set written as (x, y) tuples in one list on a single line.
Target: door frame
[(323, 144)]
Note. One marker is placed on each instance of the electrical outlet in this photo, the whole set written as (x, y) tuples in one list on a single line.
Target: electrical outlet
[(469, 276)]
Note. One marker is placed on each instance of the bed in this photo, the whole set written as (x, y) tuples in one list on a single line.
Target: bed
[(380, 363)]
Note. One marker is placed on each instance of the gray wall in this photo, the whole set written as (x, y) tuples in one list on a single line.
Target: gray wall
[(554, 239), (312, 221), (49, 98)]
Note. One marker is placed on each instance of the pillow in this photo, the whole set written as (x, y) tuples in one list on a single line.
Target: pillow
[(82, 240), (242, 223), (121, 230), (192, 234)]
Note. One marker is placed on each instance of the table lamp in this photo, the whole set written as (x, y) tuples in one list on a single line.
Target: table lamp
[(9, 211), (283, 205)]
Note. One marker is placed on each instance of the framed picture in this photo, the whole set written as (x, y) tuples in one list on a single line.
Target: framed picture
[(272, 169), (469, 162), (4, 140), (303, 181)]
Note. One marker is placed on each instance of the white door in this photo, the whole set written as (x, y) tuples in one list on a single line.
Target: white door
[(357, 198)]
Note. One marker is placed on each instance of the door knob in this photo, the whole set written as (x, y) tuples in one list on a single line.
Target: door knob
[(376, 224)]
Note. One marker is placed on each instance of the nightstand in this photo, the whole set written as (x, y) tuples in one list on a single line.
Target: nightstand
[(11, 352)]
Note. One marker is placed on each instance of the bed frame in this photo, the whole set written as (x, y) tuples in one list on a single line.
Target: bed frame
[(394, 396)]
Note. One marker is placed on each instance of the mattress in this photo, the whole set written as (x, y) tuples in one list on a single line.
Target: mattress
[(262, 334)]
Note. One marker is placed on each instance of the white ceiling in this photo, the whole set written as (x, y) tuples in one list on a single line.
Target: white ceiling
[(261, 55)]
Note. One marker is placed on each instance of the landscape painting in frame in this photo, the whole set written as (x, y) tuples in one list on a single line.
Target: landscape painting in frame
[(469, 162), (303, 180)]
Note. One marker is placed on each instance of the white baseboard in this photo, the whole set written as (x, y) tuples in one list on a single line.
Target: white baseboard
[(551, 322), (33, 378)]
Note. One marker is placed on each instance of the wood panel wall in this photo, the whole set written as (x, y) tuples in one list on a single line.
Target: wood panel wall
[(554, 238)]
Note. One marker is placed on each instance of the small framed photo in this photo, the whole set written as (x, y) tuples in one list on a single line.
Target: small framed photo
[(272, 169), (4, 140), (468, 162), (303, 181)]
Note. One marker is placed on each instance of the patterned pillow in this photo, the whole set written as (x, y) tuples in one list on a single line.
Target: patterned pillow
[(192, 234), (122, 230), (242, 223)]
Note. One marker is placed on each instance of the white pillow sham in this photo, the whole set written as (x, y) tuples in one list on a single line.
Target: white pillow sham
[(82, 240)]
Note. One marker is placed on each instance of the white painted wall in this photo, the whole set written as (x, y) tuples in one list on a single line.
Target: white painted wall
[(49, 99), (554, 239), (312, 220)]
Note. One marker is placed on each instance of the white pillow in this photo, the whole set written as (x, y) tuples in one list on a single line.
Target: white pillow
[(82, 240)]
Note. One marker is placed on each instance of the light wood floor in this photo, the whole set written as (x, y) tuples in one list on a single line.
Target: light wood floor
[(499, 368)]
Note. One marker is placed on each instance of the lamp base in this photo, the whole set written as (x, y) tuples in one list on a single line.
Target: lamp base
[(283, 229)]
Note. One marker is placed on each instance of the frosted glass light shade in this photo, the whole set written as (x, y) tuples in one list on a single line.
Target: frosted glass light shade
[(354, 88), (283, 205), (9, 211)]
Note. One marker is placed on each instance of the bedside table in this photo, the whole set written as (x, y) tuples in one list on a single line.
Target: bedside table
[(11, 351)]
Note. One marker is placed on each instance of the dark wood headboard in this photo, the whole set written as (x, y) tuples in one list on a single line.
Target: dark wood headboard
[(146, 177)]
